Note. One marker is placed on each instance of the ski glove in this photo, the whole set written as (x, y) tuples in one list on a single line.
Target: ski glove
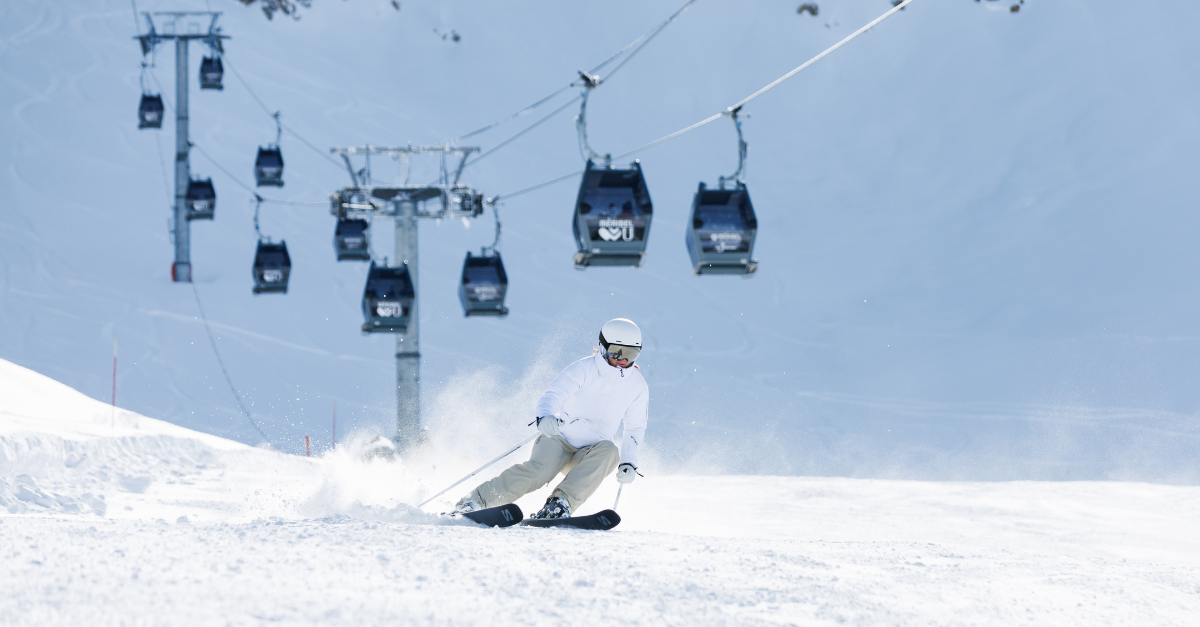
[(626, 473), (548, 425)]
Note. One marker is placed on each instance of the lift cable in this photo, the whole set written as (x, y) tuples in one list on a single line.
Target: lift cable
[(235, 179), (162, 164), (645, 39), (198, 147), (236, 396), (640, 40), (506, 142), (586, 78), (273, 114), (196, 294), (636, 46), (728, 111)]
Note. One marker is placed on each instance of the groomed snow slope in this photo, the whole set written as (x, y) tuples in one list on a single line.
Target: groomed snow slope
[(977, 243), (146, 523)]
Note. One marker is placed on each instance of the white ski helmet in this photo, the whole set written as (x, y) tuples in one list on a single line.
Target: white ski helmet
[(621, 338)]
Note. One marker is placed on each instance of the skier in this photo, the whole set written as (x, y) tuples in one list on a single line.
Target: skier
[(577, 417)]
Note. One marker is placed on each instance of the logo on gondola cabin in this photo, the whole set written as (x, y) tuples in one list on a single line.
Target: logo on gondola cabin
[(388, 309), (272, 276), (485, 292), (726, 241), (612, 229)]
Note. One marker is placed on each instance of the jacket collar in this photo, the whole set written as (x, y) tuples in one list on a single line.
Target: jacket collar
[(607, 371)]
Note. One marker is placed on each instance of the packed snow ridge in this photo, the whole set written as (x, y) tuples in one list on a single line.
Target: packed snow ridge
[(110, 517)]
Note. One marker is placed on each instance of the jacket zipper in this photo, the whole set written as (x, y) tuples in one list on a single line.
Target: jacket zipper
[(608, 399)]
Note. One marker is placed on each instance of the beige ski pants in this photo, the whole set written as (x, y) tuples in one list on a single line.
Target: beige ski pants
[(585, 468)]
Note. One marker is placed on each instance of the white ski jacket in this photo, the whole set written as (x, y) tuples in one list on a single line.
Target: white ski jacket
[(592, 398)]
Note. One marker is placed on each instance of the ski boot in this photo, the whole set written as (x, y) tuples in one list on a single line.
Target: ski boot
[(555, 507), (466, 505)]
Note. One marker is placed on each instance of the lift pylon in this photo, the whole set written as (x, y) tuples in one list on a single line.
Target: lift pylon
[(364, 199), (166, 26)]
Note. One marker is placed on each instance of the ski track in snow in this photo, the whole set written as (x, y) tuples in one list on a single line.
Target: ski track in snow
[(147, 523)]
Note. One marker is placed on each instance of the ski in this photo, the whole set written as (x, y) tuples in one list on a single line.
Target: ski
[(600, 521), (502, 516)]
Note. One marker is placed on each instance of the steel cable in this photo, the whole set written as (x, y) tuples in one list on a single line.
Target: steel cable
[(729, 110), (268, 111), (236, 396), (650, 34)]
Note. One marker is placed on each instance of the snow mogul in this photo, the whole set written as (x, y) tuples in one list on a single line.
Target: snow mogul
[(577, 418)]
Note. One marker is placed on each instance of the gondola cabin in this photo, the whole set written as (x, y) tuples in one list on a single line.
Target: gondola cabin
[(484, 284), (211, 72), (150, 111), (201, 199), (720, 235), (272, 268), (612, 216), (387, 299), (268, 167), (350, 240)]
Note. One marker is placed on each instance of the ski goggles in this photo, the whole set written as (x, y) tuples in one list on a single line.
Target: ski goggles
[(618, 352)]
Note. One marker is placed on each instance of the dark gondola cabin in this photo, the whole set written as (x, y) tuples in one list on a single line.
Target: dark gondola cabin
[(268, 167), (484, 284), (387, 299), (150, 111), (720, 236), (272, 267), (612, 216), (211, 72), (201, 199), (350, 240)]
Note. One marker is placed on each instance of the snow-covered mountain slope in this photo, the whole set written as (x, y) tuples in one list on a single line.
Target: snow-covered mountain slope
[(152, 524), (976, 242), (62, 452)]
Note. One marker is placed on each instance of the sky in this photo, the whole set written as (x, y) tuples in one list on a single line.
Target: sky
[(976, 228)]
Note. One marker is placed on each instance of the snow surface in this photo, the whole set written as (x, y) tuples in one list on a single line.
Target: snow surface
[(977, 245), (147, 523)]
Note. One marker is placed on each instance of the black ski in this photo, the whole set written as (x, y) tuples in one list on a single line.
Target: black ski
[(600, 521), (502, 516)]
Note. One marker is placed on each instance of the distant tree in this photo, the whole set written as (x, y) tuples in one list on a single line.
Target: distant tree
[(286, 7), (291, 7)]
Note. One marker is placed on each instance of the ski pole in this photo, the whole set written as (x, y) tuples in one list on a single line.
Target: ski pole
[(619, 488), (505, 454)]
